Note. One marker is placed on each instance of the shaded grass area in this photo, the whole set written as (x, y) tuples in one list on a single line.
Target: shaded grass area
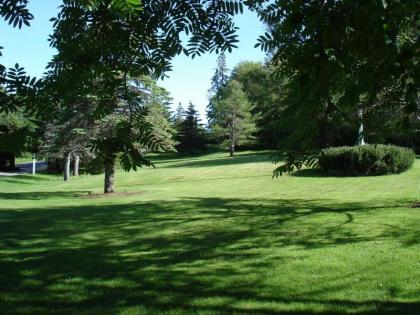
[(211, 247)]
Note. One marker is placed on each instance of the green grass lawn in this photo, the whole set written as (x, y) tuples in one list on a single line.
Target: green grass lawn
[(211, 235)]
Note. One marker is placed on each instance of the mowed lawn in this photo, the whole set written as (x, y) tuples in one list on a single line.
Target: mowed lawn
[(211, 235)]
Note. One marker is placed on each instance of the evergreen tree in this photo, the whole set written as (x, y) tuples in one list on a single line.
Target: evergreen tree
[(178, 117), (191, 135), (67, 137), (157, 103), (220, 76), (264, 89), (218, 81), (233, 119), (177, 122)]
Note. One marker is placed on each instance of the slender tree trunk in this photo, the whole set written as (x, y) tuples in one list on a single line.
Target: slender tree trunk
[(67, 161), (76, 165), (109, 176), (232, 150), (232, 140)]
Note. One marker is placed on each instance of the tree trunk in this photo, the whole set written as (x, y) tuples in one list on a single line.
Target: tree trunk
[(109, 176), (66, 173), (232, 150), (232, 139), (76, 165)]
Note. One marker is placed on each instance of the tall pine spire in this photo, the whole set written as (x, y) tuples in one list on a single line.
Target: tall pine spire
[(219, 80)]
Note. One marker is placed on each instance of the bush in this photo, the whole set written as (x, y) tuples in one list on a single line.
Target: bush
[(366, 160)]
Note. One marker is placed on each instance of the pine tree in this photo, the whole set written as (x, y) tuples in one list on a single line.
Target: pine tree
[(218, 81), (233, 120), (178, 117), (177, 122), (162, 129), (220, 76), (191, 135), (67, 135)]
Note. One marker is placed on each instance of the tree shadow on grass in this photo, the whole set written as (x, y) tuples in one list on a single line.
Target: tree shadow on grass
[(188, 256), (23, 179), (43, 195), (308, 172)]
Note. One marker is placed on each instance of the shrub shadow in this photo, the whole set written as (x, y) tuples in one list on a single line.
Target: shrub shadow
[(311, 172)]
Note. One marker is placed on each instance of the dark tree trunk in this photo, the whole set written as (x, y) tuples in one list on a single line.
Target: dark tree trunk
[(109, 176), (232, 141), (76, 165), (66, 172)]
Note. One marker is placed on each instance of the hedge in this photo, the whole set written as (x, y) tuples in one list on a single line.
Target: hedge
[(376, 159)]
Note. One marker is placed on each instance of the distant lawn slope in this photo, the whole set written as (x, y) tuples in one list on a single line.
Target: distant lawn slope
[(211, 235)]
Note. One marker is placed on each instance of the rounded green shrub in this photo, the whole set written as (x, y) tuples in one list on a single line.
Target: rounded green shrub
[(369, 159)]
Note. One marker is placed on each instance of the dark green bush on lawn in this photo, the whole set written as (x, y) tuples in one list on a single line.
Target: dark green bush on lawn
[(375, 159)]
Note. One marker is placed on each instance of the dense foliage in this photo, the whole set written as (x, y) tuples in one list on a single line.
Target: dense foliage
[(17, 133), (340, 58), (366, 160)]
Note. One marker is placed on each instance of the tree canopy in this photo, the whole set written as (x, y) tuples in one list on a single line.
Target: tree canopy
[(15, 85)]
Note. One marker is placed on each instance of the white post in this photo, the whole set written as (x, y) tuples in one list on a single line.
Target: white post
[(33, 164)]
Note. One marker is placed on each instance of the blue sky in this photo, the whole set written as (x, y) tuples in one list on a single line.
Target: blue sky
[(189, 80)]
